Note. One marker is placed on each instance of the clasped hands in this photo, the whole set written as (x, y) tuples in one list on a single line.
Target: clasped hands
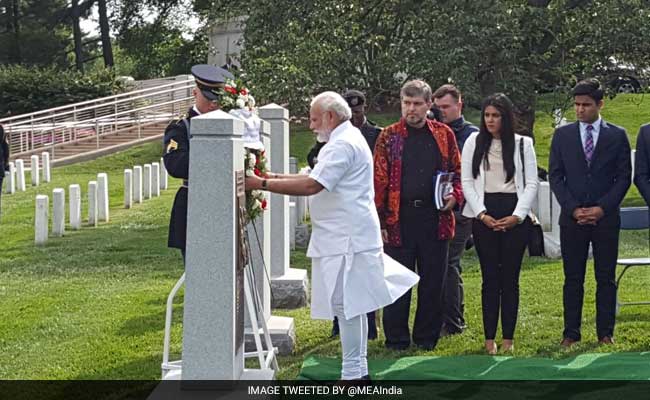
[(588, 215), (499, 225)]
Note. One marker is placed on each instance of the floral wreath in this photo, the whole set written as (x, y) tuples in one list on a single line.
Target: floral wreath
[(255, 164), (235, 96)]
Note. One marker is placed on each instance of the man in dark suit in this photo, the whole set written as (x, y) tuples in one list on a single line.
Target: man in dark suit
[(642, 163), (209, 83), (590, 172)]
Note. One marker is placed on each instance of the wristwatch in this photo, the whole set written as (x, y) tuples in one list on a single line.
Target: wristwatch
[(265, 184)]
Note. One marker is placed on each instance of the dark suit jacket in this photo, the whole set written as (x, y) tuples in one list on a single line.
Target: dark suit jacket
[(603, 183), (642, 162), (4, 153)]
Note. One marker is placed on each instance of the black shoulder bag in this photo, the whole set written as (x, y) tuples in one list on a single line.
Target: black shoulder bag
[(535, 233)]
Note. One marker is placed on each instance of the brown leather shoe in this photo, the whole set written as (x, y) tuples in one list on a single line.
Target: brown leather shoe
[(567, 342), (606, 340)]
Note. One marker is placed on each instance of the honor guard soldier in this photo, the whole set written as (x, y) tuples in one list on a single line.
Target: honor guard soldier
[(209, 83)]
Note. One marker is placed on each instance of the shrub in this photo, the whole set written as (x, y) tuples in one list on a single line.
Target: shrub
[(27, 89)]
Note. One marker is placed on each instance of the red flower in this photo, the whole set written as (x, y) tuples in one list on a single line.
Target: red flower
[(258, 172), (264, 204), (243, 92), (230, 89)]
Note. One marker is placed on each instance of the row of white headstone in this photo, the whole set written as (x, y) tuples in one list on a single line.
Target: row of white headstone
[(98, 208), (137, 186), (298, 213), (15, 176), (142, 184)]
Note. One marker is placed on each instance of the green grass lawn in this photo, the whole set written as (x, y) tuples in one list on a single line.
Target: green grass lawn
[(91, 305)]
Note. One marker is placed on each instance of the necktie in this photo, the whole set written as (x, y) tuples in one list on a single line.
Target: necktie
[(589, 144)]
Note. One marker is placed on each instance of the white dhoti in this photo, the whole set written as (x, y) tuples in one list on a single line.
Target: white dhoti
[(371, 280), (348, 287)]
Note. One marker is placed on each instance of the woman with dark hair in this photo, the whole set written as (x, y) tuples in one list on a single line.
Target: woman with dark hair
[(499, 177)]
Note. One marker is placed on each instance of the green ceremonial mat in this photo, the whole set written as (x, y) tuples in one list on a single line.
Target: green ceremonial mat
[(596, 366)]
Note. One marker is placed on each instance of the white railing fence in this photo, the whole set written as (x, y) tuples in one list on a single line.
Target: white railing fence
[(125, 112)]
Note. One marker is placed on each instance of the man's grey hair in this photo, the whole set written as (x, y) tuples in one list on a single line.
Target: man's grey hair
[(334, 102), (416, 88)]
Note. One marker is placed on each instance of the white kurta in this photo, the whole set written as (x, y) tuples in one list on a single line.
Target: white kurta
[(346, 232)]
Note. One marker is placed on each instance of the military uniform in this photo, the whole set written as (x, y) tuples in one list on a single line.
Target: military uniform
[(209, 80), (371, 132), (177, 163)]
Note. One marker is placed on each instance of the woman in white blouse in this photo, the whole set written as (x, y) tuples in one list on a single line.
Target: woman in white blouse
[(500, 186)]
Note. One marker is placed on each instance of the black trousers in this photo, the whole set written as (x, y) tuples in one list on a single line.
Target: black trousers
[(500, 255), (454, 298), (574, 241), (421, 247)]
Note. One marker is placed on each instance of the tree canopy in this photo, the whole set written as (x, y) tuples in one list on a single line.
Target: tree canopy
[(294, 49)]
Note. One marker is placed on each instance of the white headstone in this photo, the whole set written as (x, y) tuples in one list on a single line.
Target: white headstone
[(293, 222), (128, 188), (102, 197), (544, 205), (35, 171), (45, 157), (58, 214), (75, 206), (147, 182), (92, 203), (155, 179), (301, 209), (164, 176), (633, 155), (10, 179), (137, 184), (278, 118), (41, 219), (555, 217), (20, 175)]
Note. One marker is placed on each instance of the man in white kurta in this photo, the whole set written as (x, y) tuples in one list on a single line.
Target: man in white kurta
[(351, 275)]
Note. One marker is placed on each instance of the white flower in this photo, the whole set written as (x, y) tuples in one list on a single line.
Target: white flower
[(257, 204), (252, 160), (251, 101), (250, 172), (240, 103)]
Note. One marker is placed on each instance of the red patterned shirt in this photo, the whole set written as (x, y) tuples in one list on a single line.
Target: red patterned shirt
[(388, 176)]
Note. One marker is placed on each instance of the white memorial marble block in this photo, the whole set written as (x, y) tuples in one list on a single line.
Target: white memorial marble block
[(75, 206), (92, 203), (58, 214), (41, 219)]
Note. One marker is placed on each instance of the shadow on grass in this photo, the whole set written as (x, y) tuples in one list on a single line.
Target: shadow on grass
[(150, 323), (145, 367)]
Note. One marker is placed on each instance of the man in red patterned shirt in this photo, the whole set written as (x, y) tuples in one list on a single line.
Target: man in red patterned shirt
[(408, 155)]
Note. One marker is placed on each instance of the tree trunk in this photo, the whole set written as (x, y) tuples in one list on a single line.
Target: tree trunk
[(107, 49), (15, 10), (76, 31), (525, 119)]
